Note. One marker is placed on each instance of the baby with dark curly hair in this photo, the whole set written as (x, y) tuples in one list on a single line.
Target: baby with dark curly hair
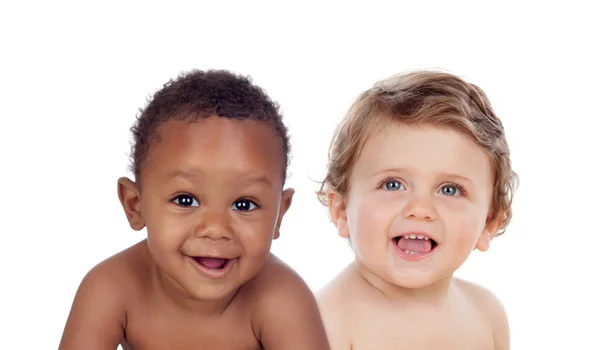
[(210, 156)]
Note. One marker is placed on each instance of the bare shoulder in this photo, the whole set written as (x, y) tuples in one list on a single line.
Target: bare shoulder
[(492, 309), (483, 298), (335, 293), (285, 314), (337, 303), (97, 319)]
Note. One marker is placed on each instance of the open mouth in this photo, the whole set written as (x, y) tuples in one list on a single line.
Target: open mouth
[(213, 267), (212, 263), (415, 244)]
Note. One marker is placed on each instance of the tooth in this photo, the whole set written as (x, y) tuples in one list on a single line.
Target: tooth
[(406, 236), (420, 236), (407, 251), (413, 236), (426, 238)]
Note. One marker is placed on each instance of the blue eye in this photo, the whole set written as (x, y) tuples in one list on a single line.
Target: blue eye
[(244, 205), (393, 185), (186, 200), (451, 190)]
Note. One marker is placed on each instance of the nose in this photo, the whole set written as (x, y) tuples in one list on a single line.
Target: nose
[(419, 207), (214, 225)]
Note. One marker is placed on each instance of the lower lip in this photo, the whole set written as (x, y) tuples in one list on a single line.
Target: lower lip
[(411, 257), (214, 273)]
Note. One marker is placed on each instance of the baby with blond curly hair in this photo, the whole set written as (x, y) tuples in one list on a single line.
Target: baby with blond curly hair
[(419, 175)]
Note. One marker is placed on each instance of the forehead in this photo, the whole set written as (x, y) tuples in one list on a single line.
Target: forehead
[(216, 146), (425, 149)]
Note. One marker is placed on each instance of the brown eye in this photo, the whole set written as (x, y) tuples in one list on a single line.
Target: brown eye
[(186, 201), (244, 205)]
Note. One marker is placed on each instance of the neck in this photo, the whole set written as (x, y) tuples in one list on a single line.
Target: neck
[(432, 294)]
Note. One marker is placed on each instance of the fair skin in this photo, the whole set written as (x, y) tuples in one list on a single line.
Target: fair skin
[(210, 196), (418, 204)]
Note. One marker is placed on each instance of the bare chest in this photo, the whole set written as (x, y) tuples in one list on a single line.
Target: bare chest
[(422, 330), (151, 329)]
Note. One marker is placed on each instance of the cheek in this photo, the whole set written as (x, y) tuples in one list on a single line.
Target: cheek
[(465, 226), (164, 243), (166, 237), (255, 232), (166, 230), (455, 206), (369, 218)]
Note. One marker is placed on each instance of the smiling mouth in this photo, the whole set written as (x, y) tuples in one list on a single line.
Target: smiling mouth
[(413, 244), (212, 263)]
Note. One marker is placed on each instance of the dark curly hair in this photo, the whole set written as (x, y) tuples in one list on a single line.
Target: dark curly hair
[(196, 95)]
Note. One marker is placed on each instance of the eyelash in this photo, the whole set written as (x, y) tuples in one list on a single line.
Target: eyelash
[(175, 198), (388, 179), (253, 202), (256, 206), (459, 187), (453, 184)]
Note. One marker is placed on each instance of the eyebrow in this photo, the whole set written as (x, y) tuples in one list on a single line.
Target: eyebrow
[(411, 170), (456, 176), (193, 174), (188, 174)]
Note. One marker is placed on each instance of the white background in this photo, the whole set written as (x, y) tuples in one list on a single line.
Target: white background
[(72, 77)]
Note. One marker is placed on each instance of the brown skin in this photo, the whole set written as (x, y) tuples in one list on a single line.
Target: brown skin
[(154, 294)]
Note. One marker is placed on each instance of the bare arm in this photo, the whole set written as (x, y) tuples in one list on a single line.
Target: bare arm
[(335, 315), (288, 318), (97, 317), (501, 328), (494, 312)]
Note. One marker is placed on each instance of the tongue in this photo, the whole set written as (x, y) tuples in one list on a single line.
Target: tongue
[(212, 263), (415, 245)]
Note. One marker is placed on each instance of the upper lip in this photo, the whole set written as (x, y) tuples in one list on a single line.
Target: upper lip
[(212, 256), (418, 233)]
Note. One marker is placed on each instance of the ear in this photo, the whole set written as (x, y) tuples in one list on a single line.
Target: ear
[(489, 232), (337, 212), (129, 196), (286, 202)]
